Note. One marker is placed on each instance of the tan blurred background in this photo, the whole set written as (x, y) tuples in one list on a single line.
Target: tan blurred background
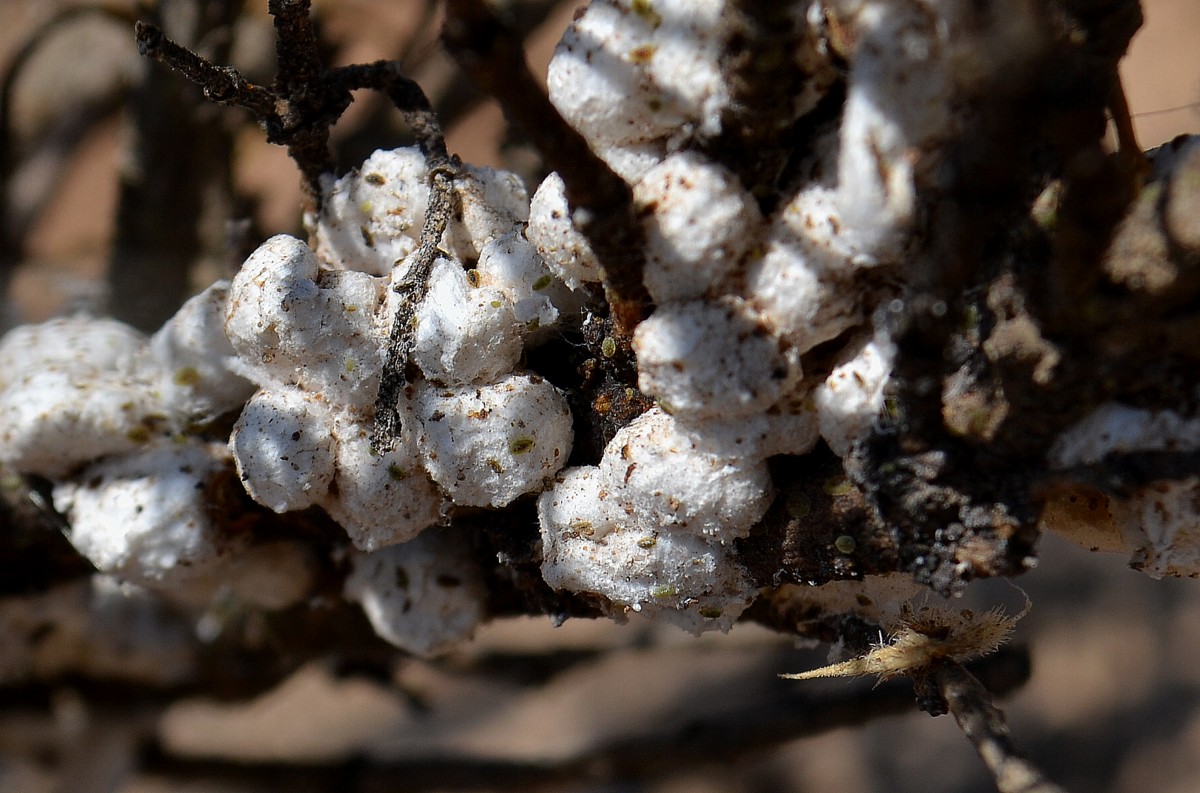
[(1114, 701)]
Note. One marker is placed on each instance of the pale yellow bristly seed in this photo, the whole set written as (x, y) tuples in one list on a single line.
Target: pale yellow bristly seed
[(925, 635)]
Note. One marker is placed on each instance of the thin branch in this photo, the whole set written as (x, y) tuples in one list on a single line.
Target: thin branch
[(985, 726), (411, 290)]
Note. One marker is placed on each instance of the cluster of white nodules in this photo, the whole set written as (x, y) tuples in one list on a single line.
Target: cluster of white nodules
[(741, 296), (1158, 523), (124, 424), (109, 416), (310, 328)]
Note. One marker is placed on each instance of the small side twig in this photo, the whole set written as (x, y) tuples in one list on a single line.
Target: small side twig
[(985, 726), (411, 289), (306, 99), (297, 112)]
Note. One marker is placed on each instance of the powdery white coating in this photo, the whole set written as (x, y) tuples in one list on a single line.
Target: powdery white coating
[(424, 596), (294, 324), (465, 332), (579, 503), (700, 224), (81, 345), (631, 163), (563, 247), (898, 102), (852, 395), (197, 359), (145, 517), (487, 444), (677, 576), (493, 202), (73, 390), (511, 264), (705, 359), (662, 476), (380, 499), (283, 449), (800, 284), (51, 421), (781, 430), (371, 218), (627, 72), (1113, 428)]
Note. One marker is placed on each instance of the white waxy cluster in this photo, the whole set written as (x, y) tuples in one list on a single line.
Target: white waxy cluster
[(740, 296), (297, 343), (423, 596), (108, 415), (636, 77), (744, 289), (708, 359), (1158, 524), (700, 223), (615, 530), (473, 432)]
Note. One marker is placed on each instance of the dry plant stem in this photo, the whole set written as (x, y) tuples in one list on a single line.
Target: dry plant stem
[(601, 202), (984, 725), (411, 289), (306, 99), (1133, 159)]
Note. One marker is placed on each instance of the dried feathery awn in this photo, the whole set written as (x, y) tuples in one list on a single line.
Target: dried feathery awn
[(923, 636)]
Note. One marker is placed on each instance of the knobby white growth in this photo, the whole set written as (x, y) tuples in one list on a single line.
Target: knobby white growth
[(295, 345)]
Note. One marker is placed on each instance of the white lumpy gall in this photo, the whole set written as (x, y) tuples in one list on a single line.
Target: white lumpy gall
[(145, 517), (371, 218), (380, 499), (700, 224), (800, 284), (511, 264), (464, 332), (678, 577), (703, 359), (630, 73), (852, 395), (424, 596), (284, 450), (292, 323), (709, 493), (73, 390), (487, 444), (198, 362), (565, 250)]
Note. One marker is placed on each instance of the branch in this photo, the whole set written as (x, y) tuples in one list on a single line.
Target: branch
[(984, 725)]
